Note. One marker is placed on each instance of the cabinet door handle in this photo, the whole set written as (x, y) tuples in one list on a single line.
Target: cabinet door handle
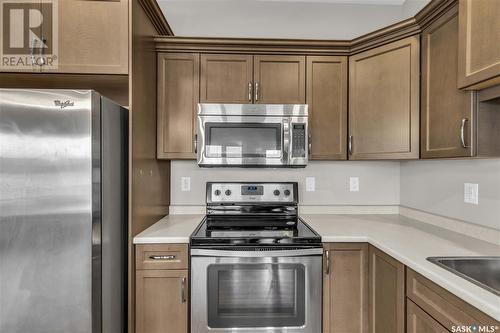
[(183, 290), (42, 51), (250, 92), (195, 143), (32, 51), (462, 133), (349, 145), (327, 259), (256, 91), (164, 257)]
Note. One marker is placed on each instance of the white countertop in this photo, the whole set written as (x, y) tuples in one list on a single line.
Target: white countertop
[(408, 241)]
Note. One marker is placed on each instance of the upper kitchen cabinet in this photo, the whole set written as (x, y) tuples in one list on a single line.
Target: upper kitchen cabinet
[(178, 96), (93, 37), (446, 112), (384, 102), (226, 78), (479, 43), (279, 79), (327, 99)]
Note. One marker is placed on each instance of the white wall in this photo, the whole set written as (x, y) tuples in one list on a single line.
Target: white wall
[(379, 182), (437, 186)]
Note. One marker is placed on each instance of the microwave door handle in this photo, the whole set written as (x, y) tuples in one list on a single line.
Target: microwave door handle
[(286, 142)]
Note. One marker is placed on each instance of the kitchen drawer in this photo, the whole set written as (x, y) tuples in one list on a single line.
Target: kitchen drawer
[(442, 305), (418, 321), (161, 256)]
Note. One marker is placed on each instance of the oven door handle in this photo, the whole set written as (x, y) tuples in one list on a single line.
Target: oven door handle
[(257, 254)]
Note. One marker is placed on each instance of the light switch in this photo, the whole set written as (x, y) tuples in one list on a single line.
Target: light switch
[(185, 184), (310, 184), (471, 193), (354, 184)]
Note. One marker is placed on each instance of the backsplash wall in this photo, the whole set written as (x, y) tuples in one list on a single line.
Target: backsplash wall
[(437, 186), (379, 181), (434, 186)]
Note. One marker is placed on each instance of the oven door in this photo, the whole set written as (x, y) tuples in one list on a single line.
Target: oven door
[(246, 141), (256, 291)]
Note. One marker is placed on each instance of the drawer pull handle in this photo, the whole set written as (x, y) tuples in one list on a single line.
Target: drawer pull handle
[(169, 257)]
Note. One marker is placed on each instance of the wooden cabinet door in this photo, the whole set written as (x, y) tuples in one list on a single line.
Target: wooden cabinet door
[(279, 79), (161, 301), (417, 321), (386, 293), (93, 37), (178, 96), (384, 101), (345, 288), (479, 43), (226, 78), (444, 106), (327, 99)]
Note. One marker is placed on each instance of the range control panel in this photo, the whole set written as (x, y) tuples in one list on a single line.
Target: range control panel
[(251, 192)]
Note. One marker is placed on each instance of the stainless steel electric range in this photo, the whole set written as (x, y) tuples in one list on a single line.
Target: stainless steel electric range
[(256, 266)]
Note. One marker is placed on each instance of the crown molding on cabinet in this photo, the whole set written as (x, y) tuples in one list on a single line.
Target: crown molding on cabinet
[(252, 45), (385, 35), (406, 28), (156, 16)]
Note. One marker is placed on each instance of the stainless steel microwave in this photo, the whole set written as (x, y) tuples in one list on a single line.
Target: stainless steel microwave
[(252, 135)]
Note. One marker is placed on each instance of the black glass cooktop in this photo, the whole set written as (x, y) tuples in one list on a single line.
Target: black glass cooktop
[(254, 230)]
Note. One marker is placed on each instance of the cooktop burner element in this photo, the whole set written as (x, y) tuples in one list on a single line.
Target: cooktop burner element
[(260, 214)]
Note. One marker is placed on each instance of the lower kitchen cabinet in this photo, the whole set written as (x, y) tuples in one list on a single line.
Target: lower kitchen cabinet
[(161, 295), (345, 288), (418, 321), (441, 306), (387, 293), (161, 301)]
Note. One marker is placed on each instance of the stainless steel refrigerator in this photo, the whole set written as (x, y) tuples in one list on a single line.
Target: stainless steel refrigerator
[(63, 212)]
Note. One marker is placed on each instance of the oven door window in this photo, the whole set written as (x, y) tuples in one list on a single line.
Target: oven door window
[(256, 295), (243, 140)]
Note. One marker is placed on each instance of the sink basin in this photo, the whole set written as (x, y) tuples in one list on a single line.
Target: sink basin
[(482, 271)]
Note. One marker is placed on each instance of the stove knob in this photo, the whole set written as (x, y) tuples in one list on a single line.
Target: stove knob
[(276, 192), (217, 192), (228, 192), (287, 192)]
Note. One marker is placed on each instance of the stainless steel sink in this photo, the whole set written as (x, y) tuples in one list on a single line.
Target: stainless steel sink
[(482, 271)]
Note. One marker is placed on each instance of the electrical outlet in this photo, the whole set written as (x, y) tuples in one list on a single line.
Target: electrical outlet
[(310, 184), (354, 184), (185, 184), (471, 193)]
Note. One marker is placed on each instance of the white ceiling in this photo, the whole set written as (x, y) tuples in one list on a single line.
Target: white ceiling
[(307, 19)]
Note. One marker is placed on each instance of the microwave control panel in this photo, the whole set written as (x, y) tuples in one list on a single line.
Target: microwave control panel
[(298, 140)]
